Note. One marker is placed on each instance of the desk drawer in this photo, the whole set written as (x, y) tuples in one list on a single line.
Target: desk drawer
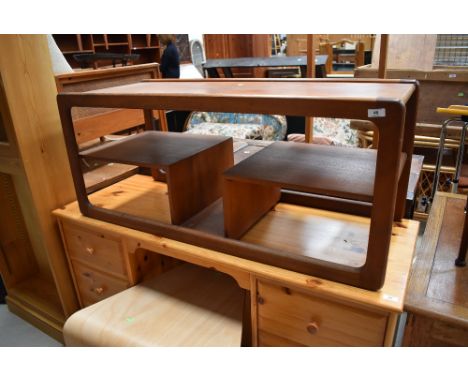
[(286, 316), (95, 249), (94, 286)]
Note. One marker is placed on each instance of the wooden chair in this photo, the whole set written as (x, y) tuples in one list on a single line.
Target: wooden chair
[(95, 125), (329, 48)]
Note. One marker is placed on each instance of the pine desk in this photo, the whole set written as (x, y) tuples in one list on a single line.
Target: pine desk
[(286, 308)]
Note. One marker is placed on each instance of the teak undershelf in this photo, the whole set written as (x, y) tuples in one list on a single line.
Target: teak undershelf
[(379, 180), (253, 186), (191, 164)]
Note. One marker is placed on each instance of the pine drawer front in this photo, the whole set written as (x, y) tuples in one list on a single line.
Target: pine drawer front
[(286, 316), (95, 249), (94, 286)]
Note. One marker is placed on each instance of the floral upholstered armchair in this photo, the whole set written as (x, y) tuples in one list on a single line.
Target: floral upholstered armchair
[(246, 126), (330, 131)]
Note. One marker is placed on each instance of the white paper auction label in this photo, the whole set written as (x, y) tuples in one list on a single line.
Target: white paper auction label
[(390, 298), (376, 113)]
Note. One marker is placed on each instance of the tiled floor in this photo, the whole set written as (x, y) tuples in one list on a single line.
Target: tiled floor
[(14, 331)]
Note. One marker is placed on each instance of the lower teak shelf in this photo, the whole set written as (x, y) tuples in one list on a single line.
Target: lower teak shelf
[(191, 164)]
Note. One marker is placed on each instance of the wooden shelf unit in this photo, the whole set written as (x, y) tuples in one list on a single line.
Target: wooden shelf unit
[(34, 179), (146, 45), (389, 105)]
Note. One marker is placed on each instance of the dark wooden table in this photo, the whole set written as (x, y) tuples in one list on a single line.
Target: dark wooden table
[(437, 296), (211, 66)]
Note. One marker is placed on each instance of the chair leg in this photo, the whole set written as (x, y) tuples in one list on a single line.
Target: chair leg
[(460, 155), (460, 261), (440, 154)]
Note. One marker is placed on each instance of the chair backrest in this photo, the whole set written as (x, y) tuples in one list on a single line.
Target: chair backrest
[(196, 50), (326, 47), (92, 123)]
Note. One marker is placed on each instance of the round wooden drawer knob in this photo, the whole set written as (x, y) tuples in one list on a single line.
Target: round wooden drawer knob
[(98, 290), (312, 328), (90, 250)]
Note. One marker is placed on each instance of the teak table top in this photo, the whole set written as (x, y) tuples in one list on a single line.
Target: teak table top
[(153, 148), (289, 97)]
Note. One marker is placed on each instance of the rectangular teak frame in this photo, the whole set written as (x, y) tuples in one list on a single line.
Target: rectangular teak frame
[(389, 104)]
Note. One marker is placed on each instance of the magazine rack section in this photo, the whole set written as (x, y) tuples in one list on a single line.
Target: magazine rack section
[(378, 180)]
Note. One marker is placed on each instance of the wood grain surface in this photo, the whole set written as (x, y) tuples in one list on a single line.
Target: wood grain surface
[(186, 306), (281, 89), (137, 196), (288, 97), (438, 289), (326, 170), (382, 102), (153, 148)]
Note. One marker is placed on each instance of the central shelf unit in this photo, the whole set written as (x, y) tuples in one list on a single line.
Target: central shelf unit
[(370, 183)]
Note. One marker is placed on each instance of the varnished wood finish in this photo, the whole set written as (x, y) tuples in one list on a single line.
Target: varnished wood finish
[(17, 260), (438, 289), (353, 304), (97, 249), (311, 73), (314, 97), (327, 170), (96, 126), (331, 171), (145, 45), (461, 258), (260, 63), (425, 331), (34, 164), (95, 286), (238, 45), (415, 51), (346, 99), (240, 211), (154, 148), (438, 87), (95, 123), (107, 174), (187, 306), (139, 197), (310, 321), (192, 165), (436, 300), (383, 55)]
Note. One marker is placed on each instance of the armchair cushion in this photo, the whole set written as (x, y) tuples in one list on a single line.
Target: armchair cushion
[(238, 125)]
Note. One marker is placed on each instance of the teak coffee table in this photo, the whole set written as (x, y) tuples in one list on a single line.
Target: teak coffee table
[(371, 184)]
